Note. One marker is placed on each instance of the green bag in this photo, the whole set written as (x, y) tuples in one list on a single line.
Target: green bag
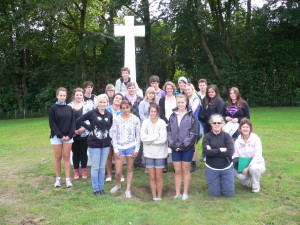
[(243, 163)]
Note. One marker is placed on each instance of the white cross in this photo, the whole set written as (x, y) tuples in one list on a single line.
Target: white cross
[(130, 31)]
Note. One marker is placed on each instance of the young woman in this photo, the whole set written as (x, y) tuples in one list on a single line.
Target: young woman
[(149, 98), (125, 135), (115, 110), (249, 144), (98, 141), (196, 107), (235, 109), (166, 105), (182, 136), (79, 146), (62, 125), (154, 138), (218, 148), (214, 105)]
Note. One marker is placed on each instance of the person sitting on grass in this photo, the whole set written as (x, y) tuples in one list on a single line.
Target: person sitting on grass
[(125, 134), (249, 144), (154, 138)]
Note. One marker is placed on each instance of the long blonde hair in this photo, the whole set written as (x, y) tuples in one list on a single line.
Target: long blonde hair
[(194, 93), (149, 90)]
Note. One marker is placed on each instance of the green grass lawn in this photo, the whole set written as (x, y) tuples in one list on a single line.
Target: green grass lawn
[(27, 195)]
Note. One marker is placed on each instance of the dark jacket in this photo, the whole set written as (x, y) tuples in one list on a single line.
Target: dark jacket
[(100, 125), (61, 121), (216, 106), (185, 135), (135, 106), (240, 114), (214, 157), (162, 109)]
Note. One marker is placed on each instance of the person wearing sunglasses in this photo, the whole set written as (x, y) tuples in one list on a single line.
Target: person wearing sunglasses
[(218, 147)]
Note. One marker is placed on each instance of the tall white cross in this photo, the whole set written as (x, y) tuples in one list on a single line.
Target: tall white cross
[(130, 31)]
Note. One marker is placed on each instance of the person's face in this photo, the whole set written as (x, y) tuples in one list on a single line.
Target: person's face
[(155, 85), (202, 87), (169, 90), (78, 97), (110, 93), (181, 103), (103, 103), (153, 113), (211, 93), (61, 97), (245, 129), (125, 109), (117, 100), (88, 89), (150, 96), (232, 95), (125, 75), (217, 125), (188, 91), (182, 85), (131, 90)]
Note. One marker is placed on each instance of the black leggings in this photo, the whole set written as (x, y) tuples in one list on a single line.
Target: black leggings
[(79, 149)]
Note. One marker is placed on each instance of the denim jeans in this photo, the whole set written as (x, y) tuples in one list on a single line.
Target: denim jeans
[(98, 159)]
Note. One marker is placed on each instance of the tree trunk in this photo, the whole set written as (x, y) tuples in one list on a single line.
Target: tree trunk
[(248, 13)]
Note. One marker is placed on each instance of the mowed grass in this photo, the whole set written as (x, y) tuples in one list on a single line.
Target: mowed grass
[(27, 195)]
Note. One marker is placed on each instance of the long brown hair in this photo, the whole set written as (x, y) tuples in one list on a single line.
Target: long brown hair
[(215, 88), (239, 99)]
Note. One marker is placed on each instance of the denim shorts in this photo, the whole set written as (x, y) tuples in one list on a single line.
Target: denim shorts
[(182, 156), (56, 141), (127, 151), (155, 163)]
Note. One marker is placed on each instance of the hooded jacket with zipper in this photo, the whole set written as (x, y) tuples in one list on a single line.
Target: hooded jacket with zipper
[(100, 125), (183, 135)]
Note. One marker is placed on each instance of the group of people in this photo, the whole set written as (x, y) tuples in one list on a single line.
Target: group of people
[(122, 124)]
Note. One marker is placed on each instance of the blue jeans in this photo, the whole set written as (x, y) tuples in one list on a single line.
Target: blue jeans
[(98, 159), (220, 182)]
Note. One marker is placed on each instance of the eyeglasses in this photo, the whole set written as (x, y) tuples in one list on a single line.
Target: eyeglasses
[(217, 123)]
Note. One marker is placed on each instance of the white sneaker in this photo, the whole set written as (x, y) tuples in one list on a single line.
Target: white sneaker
[(57, 182), (122, 179), (185, 197), (128, 194), (178, 197), (114, 189), (256, 189), (68, 183), (108, 179)]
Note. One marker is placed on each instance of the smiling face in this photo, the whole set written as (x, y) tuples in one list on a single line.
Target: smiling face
[(153, 113), (125, 75), (126, 109), (117, 100), (202, 87), (216, 125), (61, 97), (181, 103), (151, 96), (245, 129), (188, 90), (131, 90), (232, 95), (169, 90), (78, 96), (103, 103), (211, 93)]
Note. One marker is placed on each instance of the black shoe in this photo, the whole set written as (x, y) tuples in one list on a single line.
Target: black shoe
[(139, 166), (96, 193), (102, 192), (193, 168)]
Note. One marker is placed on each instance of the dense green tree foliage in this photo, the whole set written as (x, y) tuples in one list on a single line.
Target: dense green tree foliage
[(47, 44)]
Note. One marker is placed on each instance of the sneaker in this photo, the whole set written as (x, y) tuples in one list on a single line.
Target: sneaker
[(122, 179), (108, 179), (192, 168), (57, 182), (158, 199), (128, 194), (146, 170), (84, 174), (68, 183), (114, 189), (185, 197), (255, 190), (102, 192), (178, 197), (76, 173), (96, 193)]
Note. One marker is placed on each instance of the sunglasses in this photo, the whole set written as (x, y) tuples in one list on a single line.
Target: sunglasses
[(217, 123)]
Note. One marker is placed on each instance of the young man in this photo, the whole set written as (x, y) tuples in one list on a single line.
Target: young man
[(88, 87), (202, 84), (182, 81), (121, 83), (135, 100), (154, 82)]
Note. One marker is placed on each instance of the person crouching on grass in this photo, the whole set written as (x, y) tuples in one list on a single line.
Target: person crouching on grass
[(154, 138), (62, 125), (98, 141), (182, 136), (125, 134)]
